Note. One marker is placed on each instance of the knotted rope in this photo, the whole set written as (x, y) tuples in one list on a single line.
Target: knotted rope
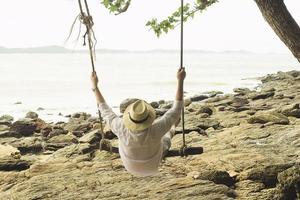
[(87, 20)]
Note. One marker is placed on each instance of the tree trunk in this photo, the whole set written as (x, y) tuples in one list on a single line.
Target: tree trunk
[(282, 22)]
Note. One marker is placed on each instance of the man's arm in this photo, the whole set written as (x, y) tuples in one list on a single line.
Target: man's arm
[(114, 122), (180, 80), (99, 97), (164, 124)]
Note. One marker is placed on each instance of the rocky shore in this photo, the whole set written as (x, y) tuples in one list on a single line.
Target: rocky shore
[(251, 142)]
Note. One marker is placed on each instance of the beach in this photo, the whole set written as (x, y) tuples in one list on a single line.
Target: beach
[(250, 138)]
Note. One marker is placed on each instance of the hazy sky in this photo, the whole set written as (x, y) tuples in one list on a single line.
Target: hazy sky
[(228, 25)]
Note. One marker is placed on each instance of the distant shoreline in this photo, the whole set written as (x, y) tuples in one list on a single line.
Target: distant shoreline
[(63, 50)]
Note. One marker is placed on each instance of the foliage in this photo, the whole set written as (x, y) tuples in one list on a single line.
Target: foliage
[(116, 6), (174, 19), (119, 6)]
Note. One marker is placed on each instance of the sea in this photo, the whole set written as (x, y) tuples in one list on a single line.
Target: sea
[(55, 85)]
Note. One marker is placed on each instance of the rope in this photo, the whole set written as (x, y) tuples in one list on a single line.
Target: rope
[(87, 20), (181, 66)]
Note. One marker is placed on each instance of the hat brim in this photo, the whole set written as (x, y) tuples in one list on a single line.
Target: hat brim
[(139, 126)]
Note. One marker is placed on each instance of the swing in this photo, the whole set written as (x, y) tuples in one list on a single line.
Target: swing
[(105, 145)]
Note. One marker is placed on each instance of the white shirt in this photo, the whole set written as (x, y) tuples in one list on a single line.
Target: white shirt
[(141, 152)]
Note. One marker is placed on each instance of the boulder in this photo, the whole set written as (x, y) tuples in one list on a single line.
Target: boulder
[(294, 73), (91, 137), (81, 115), (205, 109), (125, 103), (289, 183), (69, 138), (242, 91), (6, 120), (276, 77), (59, 141), (199, 98), (203, 123), (187, 102), (262, 95), (218, 177), (265, 174), (10, 163), (32, 115), (78, 125), (4, 128), (213, 93), (154, 104), (291, 111), (28, 145), (56, 131), (160, 112), (273, 117), (23, 127), (8, 150)]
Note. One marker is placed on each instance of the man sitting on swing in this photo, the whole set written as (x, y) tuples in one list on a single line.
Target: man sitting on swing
[(143, 139)]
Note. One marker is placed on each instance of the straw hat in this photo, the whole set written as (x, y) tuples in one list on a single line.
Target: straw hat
[(139, 116)]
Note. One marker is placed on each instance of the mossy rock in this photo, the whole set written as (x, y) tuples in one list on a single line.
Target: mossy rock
[(273, 117)]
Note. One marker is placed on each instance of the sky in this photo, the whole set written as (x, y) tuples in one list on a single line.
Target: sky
[(227, 25)]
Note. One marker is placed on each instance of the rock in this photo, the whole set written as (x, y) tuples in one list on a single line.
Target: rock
[(187, 102), (199, 98), (268, 89), (6, 120), (289, 183), (239, 102), (291, 111), (200, 131), (251, 112), (4, 128), (203, 123), (266, 174), (40, 108), (205, 109), (154, 104), (160, 112), (40, 125), (203, 115), (23, 127), (91, 137), (18, 102), (9, 163), (81, 115), (262, 95), (78, 125), (124, 104), (161, 102), (8, 150), (79, 133), (28, 145), (221, 108), (242, 91), (54, 146), (218, 177), (238, 109), (69, 139), (294, 73), (56, 131), (32, 115), (263, 118), (74, 150), (276, 77), (213, 93), (167, 105)]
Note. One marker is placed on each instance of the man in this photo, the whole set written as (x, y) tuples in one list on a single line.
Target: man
[(142, 138)]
